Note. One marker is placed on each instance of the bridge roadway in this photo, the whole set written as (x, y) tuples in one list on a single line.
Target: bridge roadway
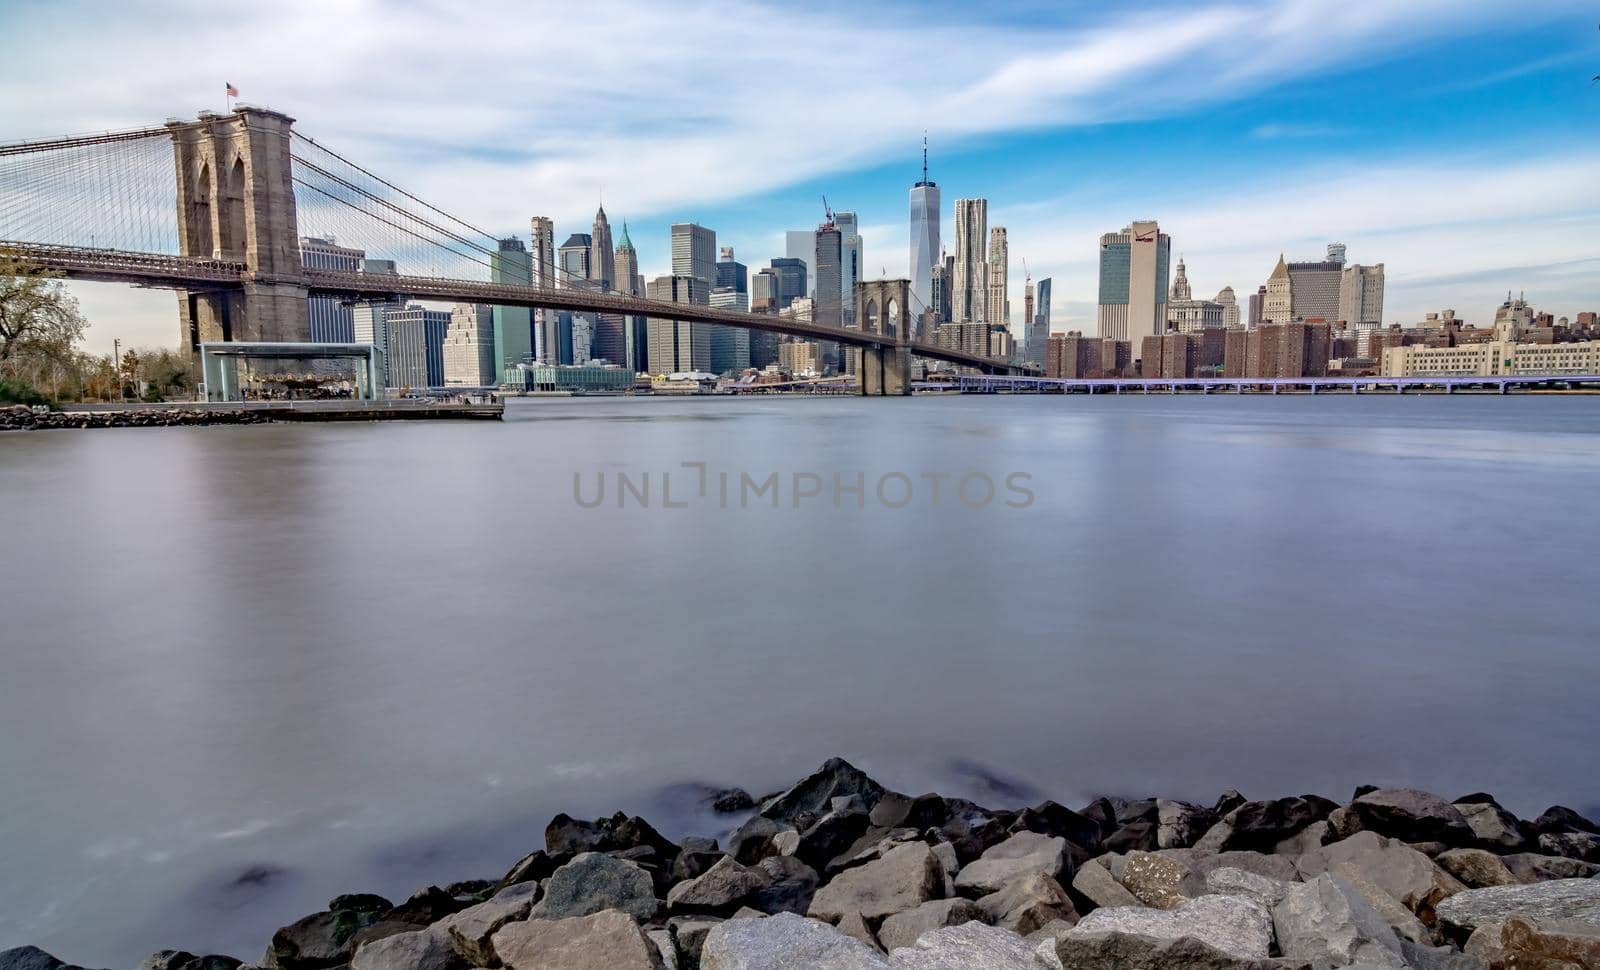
[(190, 273)]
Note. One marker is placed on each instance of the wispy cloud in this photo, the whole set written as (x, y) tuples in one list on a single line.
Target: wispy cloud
[(1275, 131)]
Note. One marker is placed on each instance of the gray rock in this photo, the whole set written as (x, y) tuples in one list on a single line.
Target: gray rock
[(1402, 920), (1308, 838), (1328, 923), (1105, 951), (1574, 899), (1179, 824), (720, 890), (1421, 956), (1236, 926), (183, 960), (1155, 879), (854, 925), (1028, 903), (903, 929), (1281, 868), (1559, 818), (1493, 826), (816, 792), (593, 882), (783, 942), (1095, 883), (1411, 816), (315, 942), (1228, 881), (948, 864), (609, 940), (1018, 855), (1476, 868), (971, 946), (1399, 870), (689, 936), (1484, 945), (429, 949), (753, 841), (1573, 845), (1259, 826), (1533, 867), (792, 886), (32, 958), (666, 949), (1550, 944), (472, 930), (903, 879)]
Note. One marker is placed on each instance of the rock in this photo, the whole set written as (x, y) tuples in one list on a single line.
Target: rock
[(1328, 923), (183, 960), (1308, 838), (1399, 870), (315, 942), (1260, 826), (784, 942), (665, 948), (1558, 818), (752, 841), (1411, 816), (1494, 827), (854, 925), (533, 867), (1052, 818), (698, 859), (425, 906), (730, 800), (1484, 945), (1103, 951), (900, 811), (429, 949), (970, 946), (1227, 802), (722, 889), (689, 936), (949, 864), (1137, 836), (1533, 867), (1476, 868), (1095, 883), (566, 837), (608, 940), (1403, 921), (1180, 825), (903, 879), (1028, 903), (1573, 845), (1575, 899), (1154, 880), (1201, 864), (361, 903), (1234, 925), (472, 930), (1550, 944), (903, 929), (1022, 853), (831, 835), (1421, 956), (1228, 881), (814, 793), (592, 882), (792, 885), (32, 958)]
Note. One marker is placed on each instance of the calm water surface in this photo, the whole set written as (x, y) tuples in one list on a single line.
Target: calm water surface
[(243, 670)]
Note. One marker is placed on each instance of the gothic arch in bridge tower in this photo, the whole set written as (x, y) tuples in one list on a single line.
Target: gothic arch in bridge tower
[(232, 223), (885, 369), (200, 213), (869, 316)]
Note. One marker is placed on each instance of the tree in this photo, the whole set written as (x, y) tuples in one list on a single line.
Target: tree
[(38, 317)]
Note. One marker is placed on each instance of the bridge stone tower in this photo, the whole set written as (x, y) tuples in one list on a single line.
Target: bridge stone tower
[(236, 202), (884, 307)]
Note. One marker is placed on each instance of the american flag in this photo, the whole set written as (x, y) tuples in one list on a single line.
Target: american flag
[(233, 92)]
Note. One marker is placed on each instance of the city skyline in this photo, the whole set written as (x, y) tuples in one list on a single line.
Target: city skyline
[(1257, 160)]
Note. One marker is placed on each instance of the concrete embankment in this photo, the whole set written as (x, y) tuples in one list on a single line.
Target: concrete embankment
[(20, 418)]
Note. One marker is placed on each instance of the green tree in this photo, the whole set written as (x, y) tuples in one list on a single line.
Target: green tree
[(38, 317)]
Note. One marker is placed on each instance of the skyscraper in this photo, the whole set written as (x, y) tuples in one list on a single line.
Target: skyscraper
[(1361, 297), (575, 331), (968, 288), (1278, 306), (678, 346), (542, 260), (732, 273), (793, 281), (999, 299), (829, 288), (1133, 283), (513, 325), (849, 264), (415, 337), (1314, 289), (331, 321), (730, 346), (925, 218), (1230, 307), (1039, 324), (602, 258), (694, 253), (469, 347), (635, 329), (801, 244), (610, 341)]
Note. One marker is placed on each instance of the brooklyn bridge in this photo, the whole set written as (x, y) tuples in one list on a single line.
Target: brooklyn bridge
[(215, 209)]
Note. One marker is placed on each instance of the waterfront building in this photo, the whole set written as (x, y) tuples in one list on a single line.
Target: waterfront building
[(1297, 349), (1133, 283), (1001, 344), (925, 251), (1493, 358), (1178, 355), (591, 378), (330, 319), (800, 358), (999, 295), (801, 244), (679, 345), (1075, 357), (730, 346), (415, 339), (469, 347), (973, 338), (514, 340), (969, 283)]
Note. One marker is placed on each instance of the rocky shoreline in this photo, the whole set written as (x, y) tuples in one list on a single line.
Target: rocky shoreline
[(838, 873), (22, 418)]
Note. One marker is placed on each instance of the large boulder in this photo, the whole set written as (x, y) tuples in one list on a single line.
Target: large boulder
[(1559, 818), (753, 840), (1399, 870), (783, 942), (1082, 833), (1573, 845), (1104, 951), (1022, 853), (1260, 826), (815, 793), (1328, 923), (1476, 868), (31, 957), (721, 890), (828, 837), (1410, 816), (593, 882), (611, 940), (903, 929), (1572, 899), (905, 878), (472, 930), (1180, 825), (183, 960), (1234, 925), (792, 885), (1228, 881), (1154, 879), (429, 949), (1533, 867), (1493, 826), (1028, 903), (318, 941), (970, 946), (1550, 943), (1095, 883)]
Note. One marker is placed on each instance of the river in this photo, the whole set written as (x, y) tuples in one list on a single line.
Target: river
[(245, 669)]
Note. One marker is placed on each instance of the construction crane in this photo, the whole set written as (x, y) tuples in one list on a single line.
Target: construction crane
[(827, 213)]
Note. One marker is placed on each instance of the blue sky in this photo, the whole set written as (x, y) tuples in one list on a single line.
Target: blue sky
[(1456, 142)]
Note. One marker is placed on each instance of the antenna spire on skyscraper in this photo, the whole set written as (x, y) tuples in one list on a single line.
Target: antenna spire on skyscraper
[(924, 154)]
